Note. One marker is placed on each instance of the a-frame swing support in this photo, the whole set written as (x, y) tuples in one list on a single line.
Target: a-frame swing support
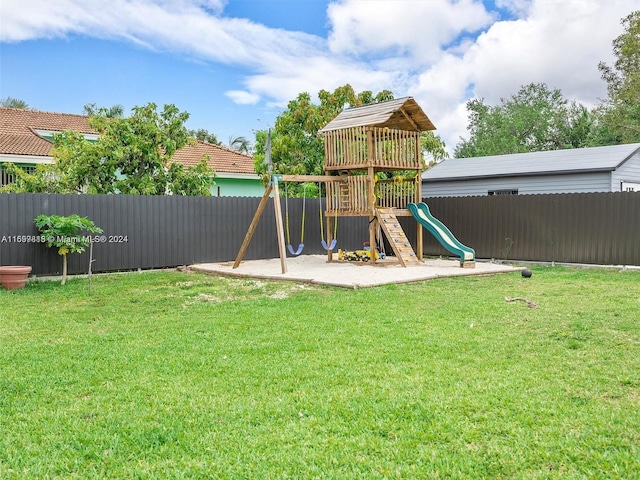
[(273, 187)]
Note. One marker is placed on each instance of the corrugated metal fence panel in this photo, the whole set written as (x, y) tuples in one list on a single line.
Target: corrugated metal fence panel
[(154, 232), (595, 228), (161, 231)]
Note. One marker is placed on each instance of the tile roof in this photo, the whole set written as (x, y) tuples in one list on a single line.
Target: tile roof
[(17, 129), (18, 137), (221, 159), (552, 162)]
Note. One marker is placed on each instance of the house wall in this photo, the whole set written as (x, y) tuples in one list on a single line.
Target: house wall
[(238, 187), (569, 183), (629, 172)]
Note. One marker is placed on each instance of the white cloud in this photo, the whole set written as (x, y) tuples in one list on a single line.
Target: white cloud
[(406, 28), (557, 43), (242, 97), (442, 52)]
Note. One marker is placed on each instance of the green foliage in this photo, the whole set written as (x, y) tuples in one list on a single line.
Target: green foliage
[(621, 113), (43, 180), (534, 119), (204, 136), (193, 181), (11, 102), (296, 147), (131, 156), (433, 146), (65, 233), (115, 111), (137, 150), (240, 144)]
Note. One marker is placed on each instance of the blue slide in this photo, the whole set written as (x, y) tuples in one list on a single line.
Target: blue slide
[(439, 230)]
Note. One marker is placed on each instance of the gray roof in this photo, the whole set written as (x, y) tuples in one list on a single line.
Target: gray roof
[(402, 113), (553, 162)]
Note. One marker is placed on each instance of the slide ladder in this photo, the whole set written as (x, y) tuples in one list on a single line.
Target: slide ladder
[(439, 230), (397, 238)]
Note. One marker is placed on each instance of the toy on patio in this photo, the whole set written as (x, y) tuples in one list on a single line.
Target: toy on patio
[(363, 255)]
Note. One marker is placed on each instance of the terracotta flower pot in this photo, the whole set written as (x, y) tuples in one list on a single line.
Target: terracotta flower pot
[(14, 276)]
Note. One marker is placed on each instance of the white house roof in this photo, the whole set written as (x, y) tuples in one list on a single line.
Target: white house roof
[(553, 162)]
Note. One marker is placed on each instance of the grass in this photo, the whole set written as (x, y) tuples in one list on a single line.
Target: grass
[(177, 375)]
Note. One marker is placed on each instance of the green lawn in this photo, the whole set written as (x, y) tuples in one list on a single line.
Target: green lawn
[(179, 375)]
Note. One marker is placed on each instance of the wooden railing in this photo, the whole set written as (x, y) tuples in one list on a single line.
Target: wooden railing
[(396, 193), (397, 149), (392, 149), (349, 195)]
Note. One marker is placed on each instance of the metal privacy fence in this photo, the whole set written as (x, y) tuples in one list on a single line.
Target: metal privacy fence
[(591, 228), (142, 232)]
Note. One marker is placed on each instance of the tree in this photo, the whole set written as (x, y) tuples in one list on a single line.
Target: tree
[(192, 181), (43, 180), (131, 156), (534, 119), (65, 233), (204, 136), (433, 148), (116, 111), (240, 144), (620, 120), (296, 147), (13, 103)]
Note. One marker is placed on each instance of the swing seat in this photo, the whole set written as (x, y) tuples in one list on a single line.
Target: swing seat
[(329, 247), (295, 252)]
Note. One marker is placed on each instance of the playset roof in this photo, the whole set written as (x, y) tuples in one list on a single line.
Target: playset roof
[(402, 113)]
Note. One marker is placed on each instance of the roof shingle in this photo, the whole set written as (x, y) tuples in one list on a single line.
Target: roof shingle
[(221, 159), (17, 129), (550, 162), (403, 113)]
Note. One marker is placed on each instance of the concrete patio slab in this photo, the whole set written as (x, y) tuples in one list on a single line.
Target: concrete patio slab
[(315, 269)]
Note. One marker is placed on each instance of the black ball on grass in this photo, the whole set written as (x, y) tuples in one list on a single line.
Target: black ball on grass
[(526, 273)]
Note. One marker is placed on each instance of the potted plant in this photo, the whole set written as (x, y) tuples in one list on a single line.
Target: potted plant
[(65, 234), (13, 277)]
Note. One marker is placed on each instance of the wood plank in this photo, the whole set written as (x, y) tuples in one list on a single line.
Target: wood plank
[(252, 226), (396, 236), (310, 178), (279, 228)]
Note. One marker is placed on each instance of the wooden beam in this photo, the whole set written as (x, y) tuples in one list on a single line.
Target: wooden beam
[(413, 124), (310, 178), (279, 228), (252, 226), (419, 235)]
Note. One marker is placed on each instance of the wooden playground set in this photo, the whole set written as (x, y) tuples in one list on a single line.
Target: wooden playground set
[(363, 147)]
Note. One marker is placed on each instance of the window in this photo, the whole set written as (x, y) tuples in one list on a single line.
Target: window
[(630, 187), (6, 177), (503, 192)]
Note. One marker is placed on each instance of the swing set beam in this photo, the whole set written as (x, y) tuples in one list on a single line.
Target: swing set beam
[(273, 187)]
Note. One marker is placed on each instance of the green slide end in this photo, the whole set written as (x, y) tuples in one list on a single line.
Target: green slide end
[(439, 230)]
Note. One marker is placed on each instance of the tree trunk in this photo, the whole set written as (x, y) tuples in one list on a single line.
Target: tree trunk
[(64, 269)]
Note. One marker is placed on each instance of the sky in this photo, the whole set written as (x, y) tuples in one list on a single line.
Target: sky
[(235, 64)]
